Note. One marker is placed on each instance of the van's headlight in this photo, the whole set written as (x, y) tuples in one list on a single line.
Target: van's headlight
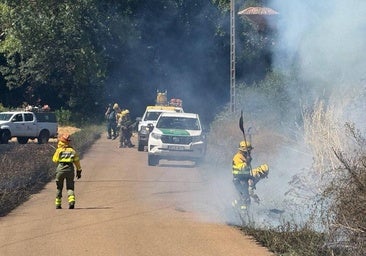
[(156, 136)]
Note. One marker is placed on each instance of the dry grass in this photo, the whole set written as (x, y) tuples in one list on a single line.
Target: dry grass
[(337, 180), (291, 240), (25, 169), (339, 177), (66, 129)]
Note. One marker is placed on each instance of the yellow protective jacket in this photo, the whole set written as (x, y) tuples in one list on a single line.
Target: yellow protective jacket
[(65, 154), (241, 166)]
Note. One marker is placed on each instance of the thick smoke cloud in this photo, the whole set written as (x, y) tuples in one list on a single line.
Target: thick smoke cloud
[(177, 52), (323, 43), (325, 40)]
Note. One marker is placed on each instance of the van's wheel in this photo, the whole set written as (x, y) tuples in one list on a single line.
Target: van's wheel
[(43, 137), (5, 136), (152, 160), (22, 140)]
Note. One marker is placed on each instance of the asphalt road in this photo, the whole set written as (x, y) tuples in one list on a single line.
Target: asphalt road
[(124, 207)]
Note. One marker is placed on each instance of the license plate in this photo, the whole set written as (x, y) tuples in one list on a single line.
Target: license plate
[(176, 147)]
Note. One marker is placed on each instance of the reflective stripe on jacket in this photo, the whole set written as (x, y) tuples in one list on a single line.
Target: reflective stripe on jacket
[(240, 165), (66, 154)]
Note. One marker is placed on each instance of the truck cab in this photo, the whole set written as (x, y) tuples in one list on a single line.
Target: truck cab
[(25, 125)]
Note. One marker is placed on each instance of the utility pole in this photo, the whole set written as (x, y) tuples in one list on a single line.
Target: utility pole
[(232, 57)]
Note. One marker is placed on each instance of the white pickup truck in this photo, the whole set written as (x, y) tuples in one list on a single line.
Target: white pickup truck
[(26, 125)]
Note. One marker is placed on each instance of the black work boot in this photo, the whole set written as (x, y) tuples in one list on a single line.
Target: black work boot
[(71, 206)]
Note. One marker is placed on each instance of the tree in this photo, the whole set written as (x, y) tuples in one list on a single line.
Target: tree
[(57, 50)]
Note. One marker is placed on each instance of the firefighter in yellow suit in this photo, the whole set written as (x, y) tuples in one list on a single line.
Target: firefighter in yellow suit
[(66, 158), (244, 177)]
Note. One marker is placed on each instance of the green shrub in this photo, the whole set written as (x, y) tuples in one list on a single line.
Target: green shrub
[(63, 116), (2, 108)]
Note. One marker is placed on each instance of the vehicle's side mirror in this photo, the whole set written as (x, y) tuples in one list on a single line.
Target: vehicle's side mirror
[(150, 126), (138, 119)]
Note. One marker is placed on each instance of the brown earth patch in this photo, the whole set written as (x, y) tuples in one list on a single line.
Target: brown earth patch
[(67, 129)]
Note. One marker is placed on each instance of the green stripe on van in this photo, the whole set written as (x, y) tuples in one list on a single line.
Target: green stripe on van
[(177, 132)]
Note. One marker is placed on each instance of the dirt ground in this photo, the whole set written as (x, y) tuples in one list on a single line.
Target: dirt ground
[(67, 129), (125, 207)]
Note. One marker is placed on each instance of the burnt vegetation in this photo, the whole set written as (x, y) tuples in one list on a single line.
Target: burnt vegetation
[(25, 169)]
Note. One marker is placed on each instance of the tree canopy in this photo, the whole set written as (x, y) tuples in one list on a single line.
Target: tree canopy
[(81, 55)]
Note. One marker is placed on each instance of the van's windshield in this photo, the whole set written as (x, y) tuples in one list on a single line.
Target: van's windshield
[(152, 116), (169, 122)]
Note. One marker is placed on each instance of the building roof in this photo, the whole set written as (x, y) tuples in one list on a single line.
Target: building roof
[(263, 17)]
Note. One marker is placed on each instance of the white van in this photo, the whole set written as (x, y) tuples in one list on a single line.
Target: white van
[(177, 136)]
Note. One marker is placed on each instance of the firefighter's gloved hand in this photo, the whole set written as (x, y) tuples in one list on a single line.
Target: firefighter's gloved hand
[(264, 171), (78, 174), (260, 171)]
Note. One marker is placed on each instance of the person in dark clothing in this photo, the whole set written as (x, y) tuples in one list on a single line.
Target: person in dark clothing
[(111, 116)]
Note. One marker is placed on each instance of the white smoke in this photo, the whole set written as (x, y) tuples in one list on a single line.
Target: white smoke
[(325, 39), (324, 44)]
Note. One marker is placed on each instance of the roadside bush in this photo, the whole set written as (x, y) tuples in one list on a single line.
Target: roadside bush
[(63, 116), (2, 108), (25, 169)]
